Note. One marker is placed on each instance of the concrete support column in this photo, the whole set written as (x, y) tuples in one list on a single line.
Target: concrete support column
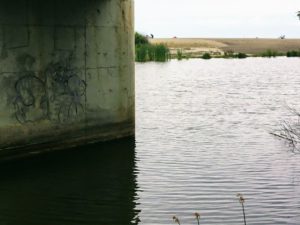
[(66, 72)]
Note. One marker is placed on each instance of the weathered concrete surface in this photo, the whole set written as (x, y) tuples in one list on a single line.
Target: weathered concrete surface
[(66, 72)]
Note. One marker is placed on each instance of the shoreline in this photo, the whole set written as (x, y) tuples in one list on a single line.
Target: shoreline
[(219, 47)]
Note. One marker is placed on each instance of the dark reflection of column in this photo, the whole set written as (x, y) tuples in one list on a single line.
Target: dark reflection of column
[(93, 185)]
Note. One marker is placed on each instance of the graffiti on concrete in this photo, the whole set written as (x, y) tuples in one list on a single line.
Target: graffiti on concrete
[(30, 103), (66, 90), (56, 94)]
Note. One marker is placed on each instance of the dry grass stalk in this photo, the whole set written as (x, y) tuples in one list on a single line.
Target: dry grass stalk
[(290, 131)]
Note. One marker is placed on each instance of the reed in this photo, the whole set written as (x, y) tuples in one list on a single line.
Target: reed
[(179, 54), (144, 51), (151, 52), (162, 53), (270, 53), (141, 52), (293, 53)]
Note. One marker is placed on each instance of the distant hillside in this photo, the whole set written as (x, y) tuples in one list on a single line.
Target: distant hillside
[(221, 45)]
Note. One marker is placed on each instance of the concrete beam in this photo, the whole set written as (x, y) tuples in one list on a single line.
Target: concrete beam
[(66, 72)]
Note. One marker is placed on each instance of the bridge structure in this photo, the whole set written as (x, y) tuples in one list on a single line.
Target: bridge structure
[(66, 73)]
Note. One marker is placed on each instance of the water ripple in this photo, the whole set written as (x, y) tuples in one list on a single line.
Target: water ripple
[(202, 137)]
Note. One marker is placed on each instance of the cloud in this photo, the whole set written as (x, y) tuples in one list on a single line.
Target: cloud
[(191, 17)]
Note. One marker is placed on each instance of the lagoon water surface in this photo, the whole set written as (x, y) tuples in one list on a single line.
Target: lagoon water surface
[(202, 136)]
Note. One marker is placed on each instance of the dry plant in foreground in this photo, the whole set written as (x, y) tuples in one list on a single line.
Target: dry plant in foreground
[(197, 215), (176, 220), (242, 202), (289, 131)]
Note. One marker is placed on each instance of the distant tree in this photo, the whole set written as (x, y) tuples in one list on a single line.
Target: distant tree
[(298, 14), (282, 37), (206, 56), (140, 39)]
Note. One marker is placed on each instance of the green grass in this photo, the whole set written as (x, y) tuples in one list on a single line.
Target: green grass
[(148, 52), (270, 53)]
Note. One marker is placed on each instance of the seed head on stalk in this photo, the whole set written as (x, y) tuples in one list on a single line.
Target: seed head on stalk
[(176, 220), (197, 215), (242, 201)]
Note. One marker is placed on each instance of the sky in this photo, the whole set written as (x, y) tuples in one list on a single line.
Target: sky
[(218, 18)]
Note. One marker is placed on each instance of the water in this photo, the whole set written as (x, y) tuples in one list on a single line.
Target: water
[(202, 136), (94, 185)]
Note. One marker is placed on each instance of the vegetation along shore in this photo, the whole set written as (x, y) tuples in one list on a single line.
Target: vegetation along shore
[(229, 47), (146, 51)]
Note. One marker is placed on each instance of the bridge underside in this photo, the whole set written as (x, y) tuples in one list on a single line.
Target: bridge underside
[(66, 73)]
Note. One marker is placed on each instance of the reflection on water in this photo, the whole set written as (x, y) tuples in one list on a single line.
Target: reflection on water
[(94, 185)]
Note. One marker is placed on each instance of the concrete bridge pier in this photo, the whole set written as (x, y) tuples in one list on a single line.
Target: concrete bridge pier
[(66, 73)]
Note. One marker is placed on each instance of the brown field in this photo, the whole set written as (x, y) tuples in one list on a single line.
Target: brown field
[(221, 45)]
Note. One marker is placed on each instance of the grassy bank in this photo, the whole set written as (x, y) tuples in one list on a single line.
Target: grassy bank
[(181, 48), (145, 51)]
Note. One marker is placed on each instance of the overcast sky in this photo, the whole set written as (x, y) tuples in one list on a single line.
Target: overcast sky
[(218, 18)]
